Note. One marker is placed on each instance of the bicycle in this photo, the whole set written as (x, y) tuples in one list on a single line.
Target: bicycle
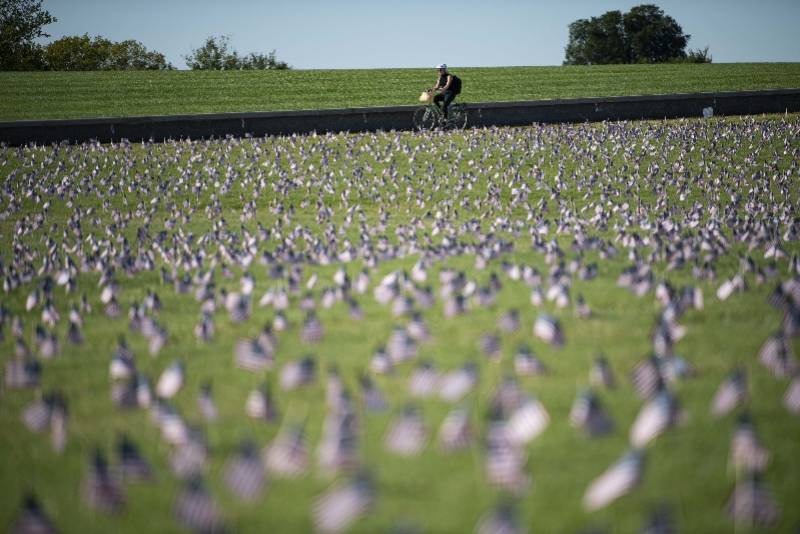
[(429, 116)]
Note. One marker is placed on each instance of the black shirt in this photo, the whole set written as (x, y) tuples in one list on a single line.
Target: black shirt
[(455, 85)]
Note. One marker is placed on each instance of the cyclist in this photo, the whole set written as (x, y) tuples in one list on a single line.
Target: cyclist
[(447, 87)]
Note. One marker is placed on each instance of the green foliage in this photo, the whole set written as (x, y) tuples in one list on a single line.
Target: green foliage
[(269, 61), (653, 37), (213, 55), (21, 21), (643, 35), (697, 56), (600, 40), (84, 53), (217, 54), (132, 55), (76, 53)]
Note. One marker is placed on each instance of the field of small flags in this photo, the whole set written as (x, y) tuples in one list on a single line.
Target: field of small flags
[(566, 328)]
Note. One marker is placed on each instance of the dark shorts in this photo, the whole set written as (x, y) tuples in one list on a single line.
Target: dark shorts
[(445, 98)]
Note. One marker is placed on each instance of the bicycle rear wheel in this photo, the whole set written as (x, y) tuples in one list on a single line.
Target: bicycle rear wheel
[(424, 118), (457, 116)]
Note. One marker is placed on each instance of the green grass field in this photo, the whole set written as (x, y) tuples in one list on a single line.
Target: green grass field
[(394, 184), (61, 95)]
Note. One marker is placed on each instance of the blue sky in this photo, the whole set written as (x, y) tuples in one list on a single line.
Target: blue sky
[(336, 34)]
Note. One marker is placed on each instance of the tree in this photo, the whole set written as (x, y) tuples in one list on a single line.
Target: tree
[(213, 55), (645, 34), (21, 21), (598, 40), (698, 56), (216, 54), (263, 62), (132, 55), (77, 52), (81, 52), (653, 37)]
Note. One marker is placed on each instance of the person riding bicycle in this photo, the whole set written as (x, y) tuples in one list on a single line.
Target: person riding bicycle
[(447, 87)]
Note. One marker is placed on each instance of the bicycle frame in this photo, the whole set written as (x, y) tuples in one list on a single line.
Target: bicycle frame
[(431, 116)]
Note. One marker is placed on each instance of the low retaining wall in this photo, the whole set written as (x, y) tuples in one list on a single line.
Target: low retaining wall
[(159, 128)]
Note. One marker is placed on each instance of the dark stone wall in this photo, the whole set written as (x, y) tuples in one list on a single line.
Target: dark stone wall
[(160, 128)]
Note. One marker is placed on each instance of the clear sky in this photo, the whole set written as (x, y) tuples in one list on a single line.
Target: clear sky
[(337, 34)]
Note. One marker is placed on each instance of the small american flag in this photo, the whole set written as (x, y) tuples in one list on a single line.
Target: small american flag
[(509, 321), (401, 347), (238, 307), (195, 509), (417, 329), (455, 384), (312, 330), (171, 380), (528, 364), (454, 305), (752, 504), (601, 374), (661, 521), (298, 373), (500, 520), (615, 482), (791, 399), (22, 372), (260, 404), (189, 459), (646, 378), (339, 507), (655, 417), (36, 415), (252, 356), (490, 346), (548, 330), (32, 519), (776, 355), (423, 380), (131, 466), (338, 448), (205, 403), (407, 434), (288, 455), (380, 363), (243, 473), (505, 462), (588, 414), (730, 394), (100, 490), (374, 399), (456, 430), (527, 422), (747, 454), (58, 424)]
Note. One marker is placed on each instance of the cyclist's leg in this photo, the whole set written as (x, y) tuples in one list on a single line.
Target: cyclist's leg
[(438, 98), (449, 96)]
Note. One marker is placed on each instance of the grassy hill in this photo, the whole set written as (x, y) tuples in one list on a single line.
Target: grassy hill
[(62, 95)]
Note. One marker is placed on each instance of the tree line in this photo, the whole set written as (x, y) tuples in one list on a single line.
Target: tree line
[(22, 22), (645, 34)]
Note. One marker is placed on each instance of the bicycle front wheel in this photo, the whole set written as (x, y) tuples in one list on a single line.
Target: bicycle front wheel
[(457, 117), (424, 118)]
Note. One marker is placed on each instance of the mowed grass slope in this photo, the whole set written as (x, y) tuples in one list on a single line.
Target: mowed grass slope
[(62, 95), (468, 176)]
